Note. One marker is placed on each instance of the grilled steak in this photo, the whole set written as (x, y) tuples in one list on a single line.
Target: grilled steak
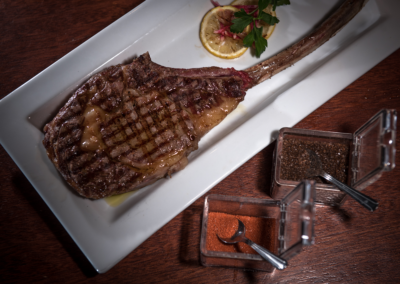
[(131, 125)]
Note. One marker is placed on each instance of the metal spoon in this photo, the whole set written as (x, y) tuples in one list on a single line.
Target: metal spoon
[(316, 170), (239, 236)]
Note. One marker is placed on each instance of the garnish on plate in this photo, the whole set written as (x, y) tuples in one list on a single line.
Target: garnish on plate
[(249, 24)]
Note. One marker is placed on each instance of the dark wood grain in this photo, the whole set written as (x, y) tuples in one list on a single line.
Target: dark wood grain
[(352, 245)]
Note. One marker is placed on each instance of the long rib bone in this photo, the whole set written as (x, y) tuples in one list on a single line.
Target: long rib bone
[(328, 29)]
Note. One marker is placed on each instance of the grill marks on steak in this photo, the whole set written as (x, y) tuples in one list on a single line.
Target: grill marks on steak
[(146, 128), (132, 124)]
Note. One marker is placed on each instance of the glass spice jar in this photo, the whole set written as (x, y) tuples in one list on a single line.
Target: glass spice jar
[(355, 159), (283, 227)]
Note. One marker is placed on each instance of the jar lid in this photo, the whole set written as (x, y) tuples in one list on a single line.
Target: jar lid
[(374, 148), (297, 219)]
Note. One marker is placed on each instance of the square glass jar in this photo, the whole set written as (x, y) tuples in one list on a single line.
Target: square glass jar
[(371, 151), (294, 226)]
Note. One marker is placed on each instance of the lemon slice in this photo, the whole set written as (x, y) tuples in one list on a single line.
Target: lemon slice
[(221, 46), (267, 29)]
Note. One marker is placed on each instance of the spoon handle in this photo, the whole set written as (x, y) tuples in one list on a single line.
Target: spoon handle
[(276, 261), (361, 198)]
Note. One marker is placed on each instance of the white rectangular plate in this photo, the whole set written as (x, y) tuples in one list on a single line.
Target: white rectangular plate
[(107, 234)]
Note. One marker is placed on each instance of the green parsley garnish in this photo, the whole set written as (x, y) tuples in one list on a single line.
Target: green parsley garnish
[(243, 19)]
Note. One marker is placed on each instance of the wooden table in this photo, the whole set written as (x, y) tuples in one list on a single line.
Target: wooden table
[(352, 244)]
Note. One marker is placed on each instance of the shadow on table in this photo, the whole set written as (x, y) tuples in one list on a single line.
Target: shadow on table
[(37, 203), (265, 179), (344, 215), (189, 250)]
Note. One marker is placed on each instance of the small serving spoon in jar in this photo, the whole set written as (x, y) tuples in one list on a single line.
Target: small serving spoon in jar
[(315, 169), (239, 236)]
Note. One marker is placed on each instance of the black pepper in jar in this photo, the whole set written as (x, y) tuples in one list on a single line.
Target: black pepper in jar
[(295, 160)]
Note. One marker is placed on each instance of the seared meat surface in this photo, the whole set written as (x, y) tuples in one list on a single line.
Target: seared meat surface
[(131, 125)]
